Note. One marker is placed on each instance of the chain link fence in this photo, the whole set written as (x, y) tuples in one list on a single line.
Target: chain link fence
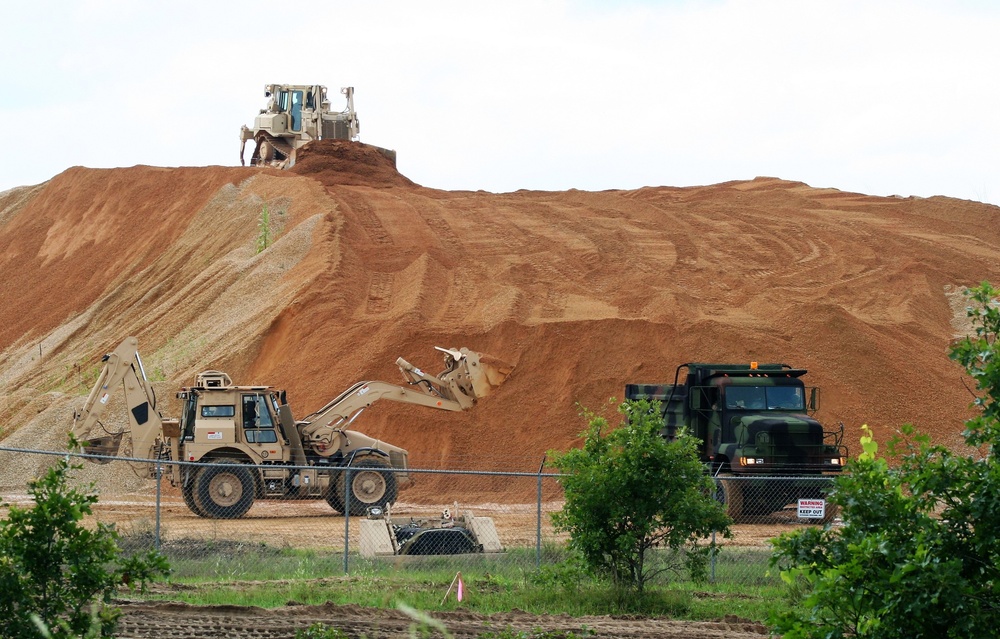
[(223, 521)]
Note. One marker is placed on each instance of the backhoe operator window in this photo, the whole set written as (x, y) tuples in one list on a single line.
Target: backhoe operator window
[(218, 411), (258, 426)]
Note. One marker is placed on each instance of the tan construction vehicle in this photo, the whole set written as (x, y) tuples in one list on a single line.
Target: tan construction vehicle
[(382, 534), (259, 450), (295, 115)]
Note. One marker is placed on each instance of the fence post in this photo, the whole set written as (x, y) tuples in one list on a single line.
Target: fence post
[(159, 478), (715, 551), (538, 527), (347, 516)]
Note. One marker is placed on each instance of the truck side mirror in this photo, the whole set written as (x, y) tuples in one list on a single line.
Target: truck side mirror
[(695, 399), (814, 399)]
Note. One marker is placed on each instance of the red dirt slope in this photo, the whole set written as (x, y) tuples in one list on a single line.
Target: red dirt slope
[(581, 291)]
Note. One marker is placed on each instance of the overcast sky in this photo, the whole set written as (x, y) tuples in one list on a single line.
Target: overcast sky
[(875, 96)]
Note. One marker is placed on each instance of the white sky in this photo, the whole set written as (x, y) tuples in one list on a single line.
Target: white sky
[(877, 96)]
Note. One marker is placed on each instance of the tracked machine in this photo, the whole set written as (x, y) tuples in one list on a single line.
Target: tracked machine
[(257, 450), (450, 534), (295, 115)]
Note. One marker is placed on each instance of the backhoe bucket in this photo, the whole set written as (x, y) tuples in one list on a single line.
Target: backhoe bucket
[(486, 372), (107, 446)]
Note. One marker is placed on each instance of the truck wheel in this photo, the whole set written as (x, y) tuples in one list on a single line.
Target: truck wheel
[(371, 485), (225, 491), (732, 491), (830, 513), (189, 496)]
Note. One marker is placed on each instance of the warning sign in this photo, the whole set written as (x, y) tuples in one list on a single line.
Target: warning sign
[(812, 508)]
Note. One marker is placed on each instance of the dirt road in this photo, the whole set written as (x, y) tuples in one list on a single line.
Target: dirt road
[(182, 621)]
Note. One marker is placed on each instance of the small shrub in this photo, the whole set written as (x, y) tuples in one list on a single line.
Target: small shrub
[(264, 229), (57, 577), (320, 630), (630, 492)]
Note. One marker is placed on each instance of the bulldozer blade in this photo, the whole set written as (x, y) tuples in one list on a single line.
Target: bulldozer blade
[(107, 446), (487, 373)]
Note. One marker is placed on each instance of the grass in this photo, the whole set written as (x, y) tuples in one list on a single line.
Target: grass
[(232, 573)]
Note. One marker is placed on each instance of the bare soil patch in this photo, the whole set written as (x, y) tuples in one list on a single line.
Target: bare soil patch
[(182, 621)]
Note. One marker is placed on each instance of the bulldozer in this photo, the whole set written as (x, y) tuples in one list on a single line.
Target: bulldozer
[(295, 115), (250, 447)]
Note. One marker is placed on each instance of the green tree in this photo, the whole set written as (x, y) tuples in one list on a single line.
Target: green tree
[(918, 554), (629, 491), (58, 572)]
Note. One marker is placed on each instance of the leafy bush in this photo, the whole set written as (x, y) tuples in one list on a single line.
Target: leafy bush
[(320, 630), (919, 551), (631, 491), (57, 574)]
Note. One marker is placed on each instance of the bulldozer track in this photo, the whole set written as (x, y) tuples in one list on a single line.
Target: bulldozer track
[(280, 146)]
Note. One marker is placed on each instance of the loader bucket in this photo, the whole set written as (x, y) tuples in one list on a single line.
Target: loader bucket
[(486, 372), (107, 446)]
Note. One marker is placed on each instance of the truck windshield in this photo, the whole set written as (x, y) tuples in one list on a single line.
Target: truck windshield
[(765, 398)]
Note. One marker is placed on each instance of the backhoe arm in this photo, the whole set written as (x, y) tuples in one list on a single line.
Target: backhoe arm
[(468, 377), (123, 366)]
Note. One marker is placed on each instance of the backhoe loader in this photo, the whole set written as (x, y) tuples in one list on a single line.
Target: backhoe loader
[(257, 450)]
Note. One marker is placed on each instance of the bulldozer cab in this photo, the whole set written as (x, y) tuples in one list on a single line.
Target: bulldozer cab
[(289, 101)]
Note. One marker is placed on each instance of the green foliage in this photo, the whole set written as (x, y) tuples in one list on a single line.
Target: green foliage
[(264, 238), (56, 574), (919, 551), (980, 355), (631, 491), (320, 630)]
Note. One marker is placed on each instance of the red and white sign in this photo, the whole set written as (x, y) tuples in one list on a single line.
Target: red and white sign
[(812, 508)]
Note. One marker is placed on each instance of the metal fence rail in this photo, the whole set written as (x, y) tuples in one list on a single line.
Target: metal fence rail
[(452, 519)]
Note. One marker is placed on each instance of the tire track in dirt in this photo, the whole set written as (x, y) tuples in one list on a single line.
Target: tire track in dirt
[(183, 621)]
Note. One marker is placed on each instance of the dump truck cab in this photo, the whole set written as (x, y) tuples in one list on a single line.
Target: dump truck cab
[(750, 418)]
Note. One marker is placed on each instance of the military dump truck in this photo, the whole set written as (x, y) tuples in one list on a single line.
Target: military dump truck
[(257, 449), (753, 421), (295, 115)]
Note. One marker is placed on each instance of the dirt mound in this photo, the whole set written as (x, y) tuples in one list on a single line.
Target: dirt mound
[(347, 163), (582, 292)]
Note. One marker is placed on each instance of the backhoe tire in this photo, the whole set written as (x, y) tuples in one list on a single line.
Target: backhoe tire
[(189, 496), (732, 490), (335, 494), (225, 491), (372, 485)]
